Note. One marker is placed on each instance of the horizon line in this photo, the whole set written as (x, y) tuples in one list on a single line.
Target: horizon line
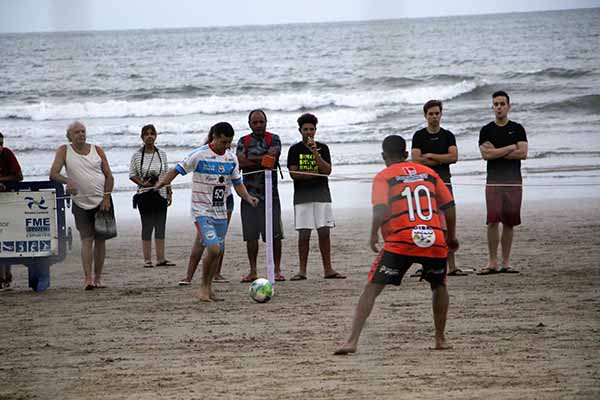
[(295, 23)]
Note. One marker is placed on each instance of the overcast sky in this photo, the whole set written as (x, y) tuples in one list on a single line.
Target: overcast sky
[(61, 15)]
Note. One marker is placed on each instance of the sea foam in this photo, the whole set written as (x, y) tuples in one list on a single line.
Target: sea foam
[(214, 105)]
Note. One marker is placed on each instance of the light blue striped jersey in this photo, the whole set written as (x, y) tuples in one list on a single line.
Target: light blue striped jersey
[(213, 175)]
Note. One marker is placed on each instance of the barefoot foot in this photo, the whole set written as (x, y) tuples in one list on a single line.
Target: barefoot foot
[(344, 349), (204, 294), (214, 297), (441, 344), (204, 299)]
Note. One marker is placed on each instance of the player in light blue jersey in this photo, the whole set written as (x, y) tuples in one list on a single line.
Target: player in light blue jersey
[(214, 168)]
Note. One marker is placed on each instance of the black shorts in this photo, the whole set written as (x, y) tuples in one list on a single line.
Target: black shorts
[(253, 221), (389, 269)]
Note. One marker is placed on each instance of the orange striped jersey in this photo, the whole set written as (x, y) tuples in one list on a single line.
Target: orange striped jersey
[(413, 195)]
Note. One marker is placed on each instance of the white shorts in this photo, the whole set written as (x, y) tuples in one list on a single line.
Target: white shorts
[(313, 216)]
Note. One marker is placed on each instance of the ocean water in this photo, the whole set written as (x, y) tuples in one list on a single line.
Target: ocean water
[(364, 80)]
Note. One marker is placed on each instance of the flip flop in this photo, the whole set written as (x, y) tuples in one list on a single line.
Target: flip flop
[(148, 264), (336, 275), (508, 270), (166, 263), (89, 287), (457, 272), (184, 282), (220, 279), (417, 273), (248, 278), (298, 277), (279, 277), (487, 271)]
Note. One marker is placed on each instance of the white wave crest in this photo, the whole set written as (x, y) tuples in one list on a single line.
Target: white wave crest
[(286, 102)]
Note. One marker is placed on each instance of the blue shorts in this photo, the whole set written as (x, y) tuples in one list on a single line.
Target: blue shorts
[(211, 231)]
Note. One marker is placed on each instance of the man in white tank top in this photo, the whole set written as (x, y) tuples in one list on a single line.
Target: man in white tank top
[(90, 182)]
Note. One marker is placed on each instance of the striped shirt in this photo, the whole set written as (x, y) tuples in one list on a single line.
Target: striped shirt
[(213, 176), (155, 164)]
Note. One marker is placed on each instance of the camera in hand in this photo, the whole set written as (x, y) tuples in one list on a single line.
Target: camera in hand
[(152, 179), (148, 199)]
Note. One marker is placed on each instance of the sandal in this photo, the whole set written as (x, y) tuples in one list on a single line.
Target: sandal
[(298, 277), (457, 272), (248, 278), (148, 264), (417, 273), (487, 271), (165, 263), (279, 277), (335, 275), (508, 270)]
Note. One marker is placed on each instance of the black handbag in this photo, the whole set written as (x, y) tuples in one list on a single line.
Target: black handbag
[(149, 200), (105, 225)]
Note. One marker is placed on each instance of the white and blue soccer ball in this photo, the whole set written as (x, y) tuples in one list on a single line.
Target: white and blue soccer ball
[(261, 290)]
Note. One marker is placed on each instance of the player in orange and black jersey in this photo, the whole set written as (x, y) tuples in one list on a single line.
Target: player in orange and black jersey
[(406, 201)]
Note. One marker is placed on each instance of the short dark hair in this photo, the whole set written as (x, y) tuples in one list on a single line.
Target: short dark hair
[(221, 129), (307, 118), (394, 145), (1, 135), (499, 93), (211, 134), (254, 111), (147, 127), (431, 104)]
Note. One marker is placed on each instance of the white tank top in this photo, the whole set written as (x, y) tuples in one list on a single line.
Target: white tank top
[(86, 171)]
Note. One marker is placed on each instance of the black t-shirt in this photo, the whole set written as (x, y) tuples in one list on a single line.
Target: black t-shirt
[(436, 143), (503, 170), (316, 189)]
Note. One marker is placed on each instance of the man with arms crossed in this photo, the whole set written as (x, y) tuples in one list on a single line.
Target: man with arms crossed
[(90, 181), (503, 144), (254, 152), (312, 199), (214, 167), (435, 147), (406, 201)]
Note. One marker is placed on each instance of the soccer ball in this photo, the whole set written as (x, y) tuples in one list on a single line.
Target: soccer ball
[(261, 290)]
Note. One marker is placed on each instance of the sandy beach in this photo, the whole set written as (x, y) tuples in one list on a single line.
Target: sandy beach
[(529, 336)]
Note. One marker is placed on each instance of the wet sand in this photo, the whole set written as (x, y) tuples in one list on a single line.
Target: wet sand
[(532, 335)]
